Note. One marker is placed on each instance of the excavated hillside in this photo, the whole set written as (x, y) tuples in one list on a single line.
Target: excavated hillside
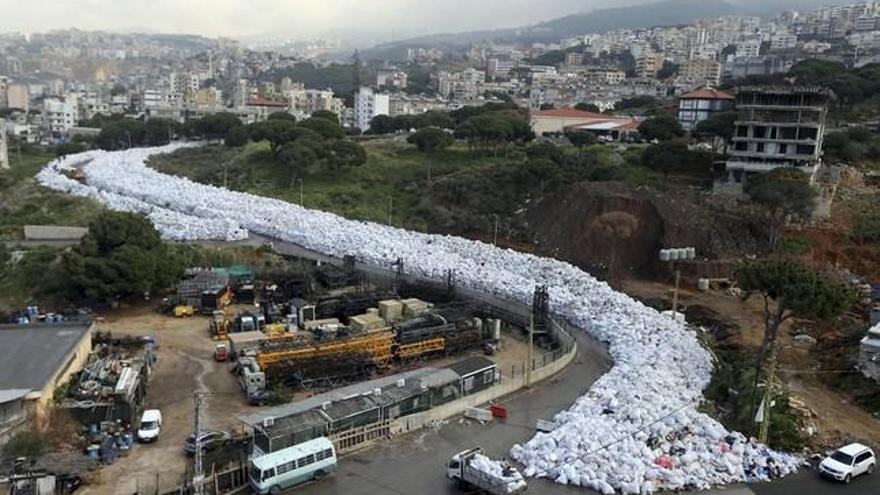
[(614, 227)]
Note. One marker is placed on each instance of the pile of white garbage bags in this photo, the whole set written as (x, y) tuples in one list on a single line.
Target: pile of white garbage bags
[(511, 479), (637, 430)]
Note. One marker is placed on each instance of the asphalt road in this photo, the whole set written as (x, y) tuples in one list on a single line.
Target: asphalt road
[(416, 463)]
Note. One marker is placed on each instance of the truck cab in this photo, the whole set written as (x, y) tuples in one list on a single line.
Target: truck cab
[(456, 463)]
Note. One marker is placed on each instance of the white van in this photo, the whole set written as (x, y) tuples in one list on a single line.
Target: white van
[(151, 422), (312, 460)]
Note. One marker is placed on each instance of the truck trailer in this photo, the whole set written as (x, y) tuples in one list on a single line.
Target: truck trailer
[(471, 470)]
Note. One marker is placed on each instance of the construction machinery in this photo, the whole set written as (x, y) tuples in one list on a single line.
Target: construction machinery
[(219, 325), (183, 311), (221, 353)]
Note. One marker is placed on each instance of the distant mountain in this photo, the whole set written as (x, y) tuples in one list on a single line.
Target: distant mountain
[(664, 13)]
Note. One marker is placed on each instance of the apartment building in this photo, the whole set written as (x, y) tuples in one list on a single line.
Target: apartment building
[(462, 85), (778, 126), (701, 72), (391, 78), (4, 87), (367, 105), (304, 102), (60, 114), (697, 106), (648, 64), (403, 104)]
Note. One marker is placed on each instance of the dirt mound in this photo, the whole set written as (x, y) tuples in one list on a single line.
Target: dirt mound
[(613, 227)]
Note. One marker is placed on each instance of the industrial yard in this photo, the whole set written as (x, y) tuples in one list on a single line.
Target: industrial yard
[(409, 337)]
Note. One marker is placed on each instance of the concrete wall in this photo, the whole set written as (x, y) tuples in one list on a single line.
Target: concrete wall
[(507, 386), (43, 403)]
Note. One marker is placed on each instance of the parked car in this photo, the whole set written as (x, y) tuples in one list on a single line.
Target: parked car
[(151, 423), (209, 441), (848, 462)]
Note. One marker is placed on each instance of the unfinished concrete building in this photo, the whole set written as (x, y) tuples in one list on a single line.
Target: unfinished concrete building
[(778, 126)]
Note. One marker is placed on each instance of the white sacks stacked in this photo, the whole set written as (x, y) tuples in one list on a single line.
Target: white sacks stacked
[(636, 431), (511, 479)]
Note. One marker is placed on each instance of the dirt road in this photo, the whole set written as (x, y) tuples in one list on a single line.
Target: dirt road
[(185, 365)]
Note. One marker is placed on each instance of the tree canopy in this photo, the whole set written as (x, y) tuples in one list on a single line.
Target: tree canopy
[(430, 139), (790, 289), (661, 127), (783, 194), (121, 256)]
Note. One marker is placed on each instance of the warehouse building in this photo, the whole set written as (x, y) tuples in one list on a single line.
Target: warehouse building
[(37, 359)]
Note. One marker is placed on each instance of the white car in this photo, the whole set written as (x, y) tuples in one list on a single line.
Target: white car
[(848, 462), (151, 423)]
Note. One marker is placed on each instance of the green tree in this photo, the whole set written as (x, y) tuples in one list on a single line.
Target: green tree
[(327, 115), (383, 124), (719, 125), (298, 157), (282, 116), (430, 139), (344, 154), (159, 131), (326, 128), (587, 107), (580, 140), (236, 137), (674, 156), (121, 256), (661, 127), (790, 289), (278, 132), (784, 194), (668, 70)]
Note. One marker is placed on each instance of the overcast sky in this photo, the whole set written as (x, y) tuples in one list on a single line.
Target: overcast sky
[(246, 18)]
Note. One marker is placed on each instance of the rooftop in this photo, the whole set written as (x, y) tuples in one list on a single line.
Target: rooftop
[(471, 365), (32, 354), (571, 113), (784, 90), (707, 94)]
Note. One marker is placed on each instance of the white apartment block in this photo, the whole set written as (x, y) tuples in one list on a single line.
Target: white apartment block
[(304, 102), (462, 85), (59, 115), (367, 105), (783, 41), (392, 78)]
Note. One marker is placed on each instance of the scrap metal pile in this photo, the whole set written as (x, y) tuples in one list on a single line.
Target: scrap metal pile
[(637, 429)]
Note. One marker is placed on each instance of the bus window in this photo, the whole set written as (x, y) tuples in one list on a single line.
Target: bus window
[(268, 474), (305, 461)]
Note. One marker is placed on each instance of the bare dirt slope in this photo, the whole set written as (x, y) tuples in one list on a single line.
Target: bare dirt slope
[(597, 224)]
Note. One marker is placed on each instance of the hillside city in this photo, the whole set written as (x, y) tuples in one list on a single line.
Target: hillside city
[(632, 250)]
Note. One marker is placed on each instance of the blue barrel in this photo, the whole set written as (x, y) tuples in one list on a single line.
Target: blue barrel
[(94, 452)]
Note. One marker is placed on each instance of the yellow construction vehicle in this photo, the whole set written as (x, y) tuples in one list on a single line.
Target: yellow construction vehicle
[(183, 310), (219, 325)]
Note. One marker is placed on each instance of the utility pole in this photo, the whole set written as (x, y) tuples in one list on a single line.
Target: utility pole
[(301, 202), (198, 468), (495, 232), (675, 292), (671, 256), (531, 345), (390, 208)]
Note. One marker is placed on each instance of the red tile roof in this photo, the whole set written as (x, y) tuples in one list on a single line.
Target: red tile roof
[(708, 94), (568, 113)]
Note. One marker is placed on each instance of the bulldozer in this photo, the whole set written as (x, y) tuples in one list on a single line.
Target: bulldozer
[(219, 325), (183, 311)]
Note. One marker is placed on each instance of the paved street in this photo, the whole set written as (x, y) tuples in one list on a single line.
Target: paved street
[(415, 463)]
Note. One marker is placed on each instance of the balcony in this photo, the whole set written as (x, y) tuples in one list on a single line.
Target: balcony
[(767, 167)]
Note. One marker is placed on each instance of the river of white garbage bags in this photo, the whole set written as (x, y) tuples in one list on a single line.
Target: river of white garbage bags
[(637, 430)]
